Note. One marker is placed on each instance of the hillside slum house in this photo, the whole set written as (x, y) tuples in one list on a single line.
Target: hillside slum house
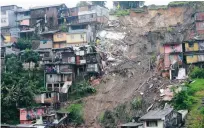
[(178, 54), (164, 118)]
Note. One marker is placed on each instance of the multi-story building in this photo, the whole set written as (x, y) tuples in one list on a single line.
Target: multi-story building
[(8, 23), (61, 72), (194, 52), (172, 54), (93, 13), (45, 18), (23, 19)]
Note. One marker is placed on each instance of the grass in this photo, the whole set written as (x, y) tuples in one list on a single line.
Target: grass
[(196, 115)]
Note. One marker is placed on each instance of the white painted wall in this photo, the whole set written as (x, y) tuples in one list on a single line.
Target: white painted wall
[(4, 19), (160, 124)]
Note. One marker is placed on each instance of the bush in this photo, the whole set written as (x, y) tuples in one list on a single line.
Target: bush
[(75, 113), (182, 100), (202, 110), (81, 89), (136, 103), (197, 73), (108, 119), (23, 44)]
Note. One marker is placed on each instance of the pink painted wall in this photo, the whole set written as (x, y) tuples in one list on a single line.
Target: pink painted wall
[(31, 113), (170, 59), (172, 48), (25, 22)]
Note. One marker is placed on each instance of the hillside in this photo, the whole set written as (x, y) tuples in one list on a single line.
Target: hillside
[(131, 62)]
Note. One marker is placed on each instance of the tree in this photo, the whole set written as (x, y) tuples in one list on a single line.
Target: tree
[(13, 64), (100, 3), (30, 56), (23, 44), (82, 3), (17, 90)]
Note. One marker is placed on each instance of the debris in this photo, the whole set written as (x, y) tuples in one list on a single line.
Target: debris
[(151, 85), (181, 74), (95, 82), (149, 107)]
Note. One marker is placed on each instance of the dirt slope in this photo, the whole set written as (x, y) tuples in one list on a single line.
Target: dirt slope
[(144, 32)]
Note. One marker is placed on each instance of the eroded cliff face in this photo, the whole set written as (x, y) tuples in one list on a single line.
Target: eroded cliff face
[(130, 63)]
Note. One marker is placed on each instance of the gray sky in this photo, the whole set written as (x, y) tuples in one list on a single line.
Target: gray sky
[(70, 3)]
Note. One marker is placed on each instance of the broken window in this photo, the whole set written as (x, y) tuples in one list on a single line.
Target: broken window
[(152, 124)]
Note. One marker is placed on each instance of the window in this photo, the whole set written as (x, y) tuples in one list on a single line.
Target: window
[(91, 15), (151, 123), (3, 20), (26, 13), (50, 76), (190, 44), (48, 95)]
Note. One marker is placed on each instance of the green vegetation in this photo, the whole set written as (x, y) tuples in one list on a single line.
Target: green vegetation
[(139, 10), (63, 28), (191, 99), (23, 44), (75, 113), (197, 73), (108, 119), (178, 3), (169, 29), (122, 12), (122, 113), (136, 103), (182, 100), (18, 89), (157, 7), (80, 90)]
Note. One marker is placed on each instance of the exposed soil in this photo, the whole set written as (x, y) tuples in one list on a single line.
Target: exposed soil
[(132, 73)]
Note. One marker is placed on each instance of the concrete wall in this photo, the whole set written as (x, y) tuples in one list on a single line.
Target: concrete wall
[(75, 38), (193, 47), (160, 124), (23, 15), (87, 18), (46, 44), (192, 59), (60, 37)]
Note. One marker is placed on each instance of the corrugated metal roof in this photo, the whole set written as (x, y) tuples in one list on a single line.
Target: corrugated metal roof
[(157, 114)]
